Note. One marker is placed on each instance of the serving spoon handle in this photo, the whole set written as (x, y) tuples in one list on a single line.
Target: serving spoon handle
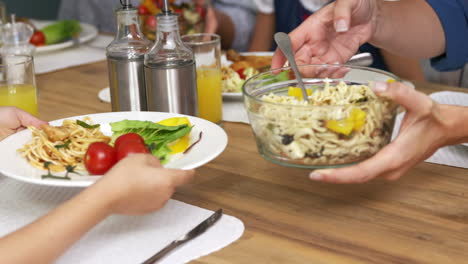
[(284, 43)]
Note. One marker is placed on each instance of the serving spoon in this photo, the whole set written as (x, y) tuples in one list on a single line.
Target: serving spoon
[(284, 43)]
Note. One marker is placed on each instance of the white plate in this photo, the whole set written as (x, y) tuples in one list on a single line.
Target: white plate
[(88, 32), (213, 142), (226, 62)]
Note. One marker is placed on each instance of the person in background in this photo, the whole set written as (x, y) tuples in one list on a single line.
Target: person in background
[(231, 19), (284, 16), (236, 18), (125, 189), (99, 13), (423, 29)]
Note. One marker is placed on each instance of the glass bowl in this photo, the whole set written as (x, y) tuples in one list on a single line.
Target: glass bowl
[(344, 123)]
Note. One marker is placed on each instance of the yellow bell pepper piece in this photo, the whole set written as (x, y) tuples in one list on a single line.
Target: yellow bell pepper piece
[(359, 118), (358, 124), (174, 121), (354, 122), (297, 92), (344, 126), (391, 80), (182, 143)]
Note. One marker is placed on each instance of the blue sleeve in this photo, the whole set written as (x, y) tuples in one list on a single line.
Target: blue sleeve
[(453, 14)]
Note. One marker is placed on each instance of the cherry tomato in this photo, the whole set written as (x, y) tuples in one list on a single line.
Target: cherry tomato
[(38, 38), (128, 137), (143, 10), (241, 73), (99, 158), (129, 147), (151, 22)]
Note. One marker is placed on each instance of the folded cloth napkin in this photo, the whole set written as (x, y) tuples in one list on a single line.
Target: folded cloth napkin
[(89, 52), (118, 239), (456, 156)]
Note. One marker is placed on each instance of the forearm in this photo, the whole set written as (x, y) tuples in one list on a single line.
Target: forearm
[(403, 67), (225, 29), (456, 124), (409, 28), (47, 238), (262, 37)]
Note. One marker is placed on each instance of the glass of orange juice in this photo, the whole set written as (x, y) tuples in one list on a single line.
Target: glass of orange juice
[(18, 83), (207, 51)]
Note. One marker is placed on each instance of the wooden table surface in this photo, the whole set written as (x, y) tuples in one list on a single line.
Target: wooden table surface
[(421, 218)]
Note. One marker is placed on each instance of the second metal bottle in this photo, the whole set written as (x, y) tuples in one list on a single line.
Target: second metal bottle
[(170, 75)]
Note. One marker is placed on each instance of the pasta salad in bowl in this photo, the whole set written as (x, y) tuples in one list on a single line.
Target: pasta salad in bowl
[(343, 121)]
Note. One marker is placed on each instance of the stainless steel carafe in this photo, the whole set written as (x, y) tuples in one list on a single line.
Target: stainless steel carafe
[(170, 70), (125, 56)]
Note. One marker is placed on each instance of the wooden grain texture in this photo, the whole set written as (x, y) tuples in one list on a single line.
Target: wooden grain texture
[(421, 218)]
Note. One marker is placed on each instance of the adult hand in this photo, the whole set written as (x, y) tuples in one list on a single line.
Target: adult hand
[(425, 127), (333, 34), (139, 184), (13, 119)]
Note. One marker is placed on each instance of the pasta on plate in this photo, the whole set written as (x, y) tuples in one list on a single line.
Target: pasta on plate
[(62, 146)]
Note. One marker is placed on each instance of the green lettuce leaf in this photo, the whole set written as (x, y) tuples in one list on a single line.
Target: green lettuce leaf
[(157, 137), (274, 78)]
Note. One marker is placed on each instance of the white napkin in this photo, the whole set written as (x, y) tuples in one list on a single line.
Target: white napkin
[(456, 156), (234, 111), (118, 239), (89, 52)]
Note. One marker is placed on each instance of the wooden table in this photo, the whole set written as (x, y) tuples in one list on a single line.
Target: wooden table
[(421, 218)]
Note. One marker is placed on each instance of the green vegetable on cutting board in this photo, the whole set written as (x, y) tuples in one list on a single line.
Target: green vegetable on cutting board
[(60, 31)]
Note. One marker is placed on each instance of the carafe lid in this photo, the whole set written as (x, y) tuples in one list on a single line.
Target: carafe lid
[(129, 42), (15, 38), (168, 47), (16, 32)]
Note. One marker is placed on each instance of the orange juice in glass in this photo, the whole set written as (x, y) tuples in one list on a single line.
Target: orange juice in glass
[(210, 103), (17, 83), (207, 52)]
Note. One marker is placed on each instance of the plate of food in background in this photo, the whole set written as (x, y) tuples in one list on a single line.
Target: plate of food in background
[(241, 66), (56, 35)]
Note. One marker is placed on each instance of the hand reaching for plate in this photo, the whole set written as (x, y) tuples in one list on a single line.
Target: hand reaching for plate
[(150, 186), (136, 185)]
